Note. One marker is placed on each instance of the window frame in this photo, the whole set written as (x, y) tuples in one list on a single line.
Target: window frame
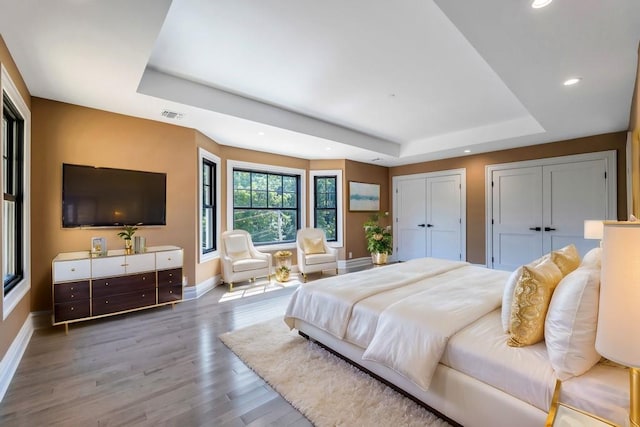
[(21, 288), (205, 156), (233, 165), (338, 243)]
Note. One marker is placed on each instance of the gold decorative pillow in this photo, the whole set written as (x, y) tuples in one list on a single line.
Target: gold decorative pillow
[(313, 246), (567, 259), (530, 303)]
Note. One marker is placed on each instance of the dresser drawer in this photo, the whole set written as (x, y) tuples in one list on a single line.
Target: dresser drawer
[(74, 291), (169, 293), (123, 284), (71, 310), (140, 263), (67, 271), (108, 266), (169, 259), (123, 302), (170, 277)]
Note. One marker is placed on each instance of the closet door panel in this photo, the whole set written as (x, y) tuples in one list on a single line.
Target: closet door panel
[(443, 217), (572, 193), (411, 219), (517, 217)]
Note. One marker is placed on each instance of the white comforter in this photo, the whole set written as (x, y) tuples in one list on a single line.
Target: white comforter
[(327, 304), (412, 333), (411, 308)]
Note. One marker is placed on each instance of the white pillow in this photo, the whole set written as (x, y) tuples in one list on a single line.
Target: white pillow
[(509, 288), (570, 326), (592, 258)]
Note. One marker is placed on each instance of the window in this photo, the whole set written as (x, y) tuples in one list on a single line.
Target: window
[(267, 202), (13, 192), (326, 206), (209, 203)]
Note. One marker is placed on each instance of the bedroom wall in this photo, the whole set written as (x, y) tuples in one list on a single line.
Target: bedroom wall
[(10, 326), (363, 172), (475, 166), (65, 133)]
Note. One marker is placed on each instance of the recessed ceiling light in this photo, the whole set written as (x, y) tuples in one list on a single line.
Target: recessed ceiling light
[(467, 151), (572, 81), (537, 4), (261, 133), (328, 148)]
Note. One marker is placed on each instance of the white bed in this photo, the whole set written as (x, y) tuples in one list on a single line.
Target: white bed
[(433, 329)]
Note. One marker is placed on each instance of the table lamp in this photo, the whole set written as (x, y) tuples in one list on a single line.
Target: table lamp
[(593, 229), (619, 313)]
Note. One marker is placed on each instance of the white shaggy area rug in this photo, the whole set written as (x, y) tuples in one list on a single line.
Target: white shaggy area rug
[(325, 388)]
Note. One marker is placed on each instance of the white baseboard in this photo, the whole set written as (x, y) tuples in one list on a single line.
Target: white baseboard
[(193, 292), (354, 263), (11, 360)]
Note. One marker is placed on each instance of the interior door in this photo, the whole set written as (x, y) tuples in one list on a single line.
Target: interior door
[(411, 218), (516, 216), (572, 193), (444, 219)]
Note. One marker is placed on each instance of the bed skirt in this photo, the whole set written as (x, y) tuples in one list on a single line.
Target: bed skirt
[(455, 395)]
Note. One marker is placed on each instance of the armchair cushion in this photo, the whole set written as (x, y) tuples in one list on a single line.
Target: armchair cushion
[(237, 247), (249, 264), (313, 259), (313, 245)]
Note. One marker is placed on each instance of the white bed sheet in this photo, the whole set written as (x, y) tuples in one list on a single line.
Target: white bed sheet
[(328, 303), (480, 351), (412, 333)]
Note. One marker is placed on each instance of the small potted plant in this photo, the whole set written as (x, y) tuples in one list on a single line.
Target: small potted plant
[(379, 238), (283, 265), (127, 235)]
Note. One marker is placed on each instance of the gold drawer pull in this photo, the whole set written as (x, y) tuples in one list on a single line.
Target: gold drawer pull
[(71, 295), (106, 302), (123, 265), (71, 308), (168, 259), (144, 277), (106, 283), (170, 274), (72, 288), (73, 269)]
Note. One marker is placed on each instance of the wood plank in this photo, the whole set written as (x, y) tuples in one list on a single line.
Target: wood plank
[(152, 367)]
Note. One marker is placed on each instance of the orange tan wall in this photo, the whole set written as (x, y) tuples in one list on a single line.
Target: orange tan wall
[(65, 133), (10, 326), (354, 233), (475, 167)]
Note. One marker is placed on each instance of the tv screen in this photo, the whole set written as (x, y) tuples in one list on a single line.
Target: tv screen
[(94, 197)]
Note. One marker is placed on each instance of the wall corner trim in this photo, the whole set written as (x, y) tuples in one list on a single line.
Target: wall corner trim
[(11, 360), (195, 292)]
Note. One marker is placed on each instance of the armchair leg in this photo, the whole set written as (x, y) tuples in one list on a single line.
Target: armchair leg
[(336, 271), (230, 286), (304, 278)]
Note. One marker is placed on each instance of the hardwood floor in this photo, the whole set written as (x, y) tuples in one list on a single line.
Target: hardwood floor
[(152, 367)]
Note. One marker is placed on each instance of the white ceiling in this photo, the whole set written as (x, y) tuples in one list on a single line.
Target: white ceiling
[(399, 82)]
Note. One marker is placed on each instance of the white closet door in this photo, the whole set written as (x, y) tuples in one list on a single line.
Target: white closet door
[(411, 218), (572, 193), (444, 217), (517, 216)]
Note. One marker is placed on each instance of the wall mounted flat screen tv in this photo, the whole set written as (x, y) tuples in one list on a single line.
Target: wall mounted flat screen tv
[(96, 197)]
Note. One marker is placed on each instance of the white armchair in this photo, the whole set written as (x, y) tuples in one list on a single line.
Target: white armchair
[(241, 260), (314, 254)]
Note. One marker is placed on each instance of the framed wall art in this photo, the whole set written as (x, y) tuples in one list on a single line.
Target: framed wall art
[(363, 196)]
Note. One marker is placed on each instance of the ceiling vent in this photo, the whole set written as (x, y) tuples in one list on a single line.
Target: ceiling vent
[(172, 115)]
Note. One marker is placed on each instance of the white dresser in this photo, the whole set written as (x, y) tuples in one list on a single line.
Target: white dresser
[(87, 286)]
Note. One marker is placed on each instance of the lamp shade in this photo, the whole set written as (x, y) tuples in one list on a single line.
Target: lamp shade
[(619, 310), (593, 229)]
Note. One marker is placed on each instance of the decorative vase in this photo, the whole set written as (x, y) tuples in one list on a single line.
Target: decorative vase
[(128, 246), (282, 275), (379, 258)]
